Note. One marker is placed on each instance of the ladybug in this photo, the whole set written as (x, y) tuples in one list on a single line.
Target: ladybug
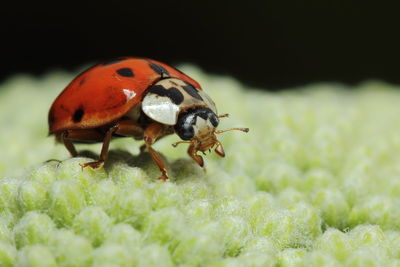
[(140, 98)]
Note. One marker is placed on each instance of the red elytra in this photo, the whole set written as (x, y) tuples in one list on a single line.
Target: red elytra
[(99, 91), (107, 100)]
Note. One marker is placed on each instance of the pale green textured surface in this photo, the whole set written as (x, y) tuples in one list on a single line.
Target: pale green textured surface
[(316, 182)]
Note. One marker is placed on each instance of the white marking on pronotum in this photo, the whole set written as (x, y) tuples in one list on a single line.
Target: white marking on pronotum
[(129, 94), (160, 109)]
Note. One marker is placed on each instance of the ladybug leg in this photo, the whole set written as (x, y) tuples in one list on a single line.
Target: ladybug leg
[(104, 150), (84, 135), (165, 133), (67, 137), (192, 152), (68, 144), (129, 128), (151, 133)]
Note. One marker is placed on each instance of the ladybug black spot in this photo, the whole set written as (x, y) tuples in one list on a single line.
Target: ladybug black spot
[(113, 61), (126, 72), (159, 69), (172, 93), (191, 90), (78, 115)]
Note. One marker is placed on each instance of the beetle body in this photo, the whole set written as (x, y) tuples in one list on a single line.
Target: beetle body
[(135, 97)]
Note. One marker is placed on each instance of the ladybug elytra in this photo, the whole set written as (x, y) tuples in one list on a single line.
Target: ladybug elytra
[(140, 98)]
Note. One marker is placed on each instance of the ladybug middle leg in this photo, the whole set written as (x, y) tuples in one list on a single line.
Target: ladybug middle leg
[(192, 152), (78, 135), (104, 149), (124, 128), (152, 132)]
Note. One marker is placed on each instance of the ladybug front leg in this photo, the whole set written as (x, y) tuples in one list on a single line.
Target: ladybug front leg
[(104, 150), (192, 151), (151, 133)]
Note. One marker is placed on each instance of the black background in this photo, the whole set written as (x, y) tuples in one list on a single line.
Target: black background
[(270, 44)]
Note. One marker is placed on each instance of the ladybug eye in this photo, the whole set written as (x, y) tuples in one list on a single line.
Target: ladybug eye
[(184, 126), (187, 133)]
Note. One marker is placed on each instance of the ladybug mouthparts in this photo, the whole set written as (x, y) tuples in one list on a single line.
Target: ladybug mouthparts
[(207, 143)]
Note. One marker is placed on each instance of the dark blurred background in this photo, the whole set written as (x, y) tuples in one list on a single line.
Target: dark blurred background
[(270, 44)]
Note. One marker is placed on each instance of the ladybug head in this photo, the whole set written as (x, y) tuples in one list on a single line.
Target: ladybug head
[(197, 126)]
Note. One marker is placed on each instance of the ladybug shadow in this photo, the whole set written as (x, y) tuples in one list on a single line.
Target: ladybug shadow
[(179, 169)]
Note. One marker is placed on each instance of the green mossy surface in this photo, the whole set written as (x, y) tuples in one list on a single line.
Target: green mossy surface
[(316, 182)]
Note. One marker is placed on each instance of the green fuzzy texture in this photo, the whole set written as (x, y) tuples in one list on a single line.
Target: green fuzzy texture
[(314, 183)]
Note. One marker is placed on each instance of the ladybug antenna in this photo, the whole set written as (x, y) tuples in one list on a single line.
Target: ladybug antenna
[(232, 129), (181, 142)]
